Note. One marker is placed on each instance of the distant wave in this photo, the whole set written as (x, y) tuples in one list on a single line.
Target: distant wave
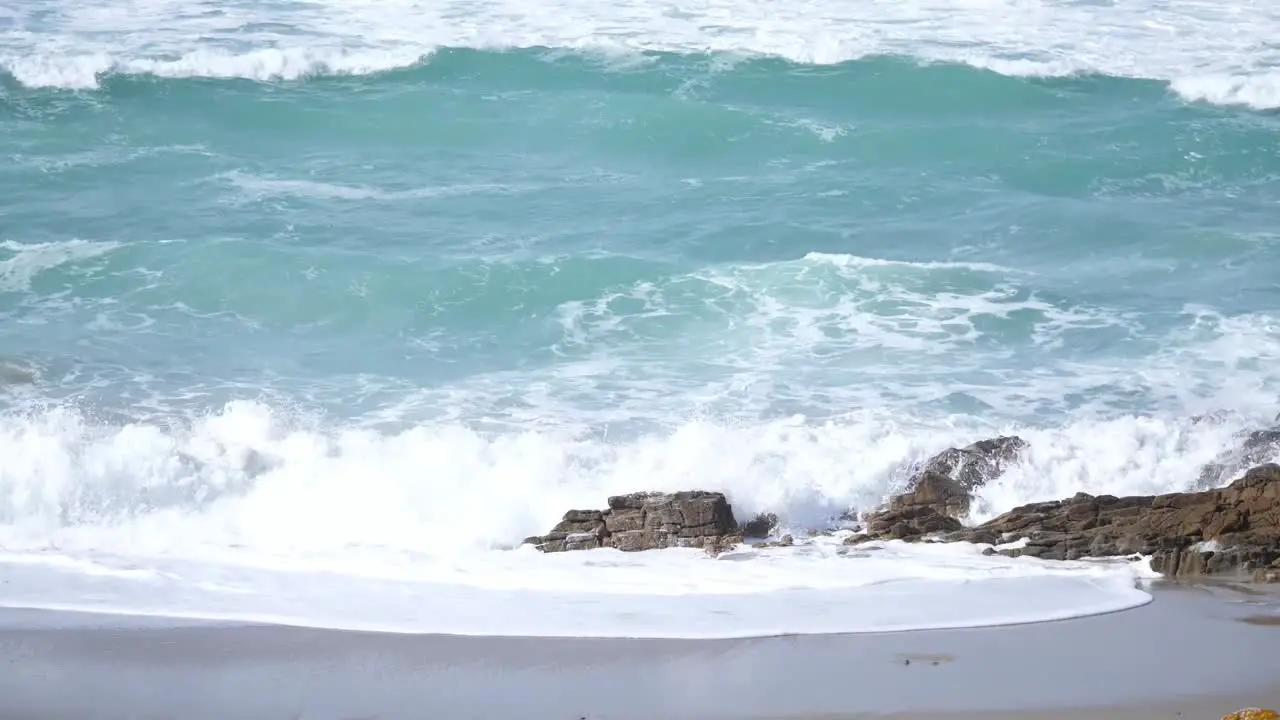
[(1221, 84), (855, 261), (85, 72)]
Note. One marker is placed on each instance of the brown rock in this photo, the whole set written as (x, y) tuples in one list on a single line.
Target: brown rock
[(721, 543), (940, 492), (582, 541), (646, 521), (945, 488), (570, 527), (634, 501), (583, 516), (624, 520), (629, 540), (760, 526), (1232, 531)]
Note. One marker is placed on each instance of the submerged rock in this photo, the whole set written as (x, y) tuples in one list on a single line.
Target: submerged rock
[(16, 374), (647, 521)]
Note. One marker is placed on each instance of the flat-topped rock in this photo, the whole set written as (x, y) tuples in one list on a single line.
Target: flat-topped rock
[(647, 521)]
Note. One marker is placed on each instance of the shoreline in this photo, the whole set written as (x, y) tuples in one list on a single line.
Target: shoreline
[(1196, 649)]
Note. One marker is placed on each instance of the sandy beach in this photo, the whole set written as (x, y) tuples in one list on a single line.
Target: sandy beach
[(1196, 651)]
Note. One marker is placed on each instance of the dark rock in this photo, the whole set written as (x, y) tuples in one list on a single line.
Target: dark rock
[(939, 496), (760, 526), (647, 521), (1233, 531), (582, 541), (624, 520), (573, 527), (550, 544), (1261, 445), (634, 501), (934, 490), (1256, 448), (784, 541), (629, 540), (580, 516), (976, 464)]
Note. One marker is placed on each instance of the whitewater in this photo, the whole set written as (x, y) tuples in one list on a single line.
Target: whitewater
[(311, 312), (1217, 52)]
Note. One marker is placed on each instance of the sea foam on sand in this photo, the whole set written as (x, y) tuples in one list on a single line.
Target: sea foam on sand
[(822, 587)]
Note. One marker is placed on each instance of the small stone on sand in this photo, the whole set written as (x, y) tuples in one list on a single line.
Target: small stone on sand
[(1253, 714)]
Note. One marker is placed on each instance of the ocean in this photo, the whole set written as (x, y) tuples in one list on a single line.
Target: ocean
[(310, 312)]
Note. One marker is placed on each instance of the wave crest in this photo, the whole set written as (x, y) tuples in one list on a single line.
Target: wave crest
[(1181, 42)]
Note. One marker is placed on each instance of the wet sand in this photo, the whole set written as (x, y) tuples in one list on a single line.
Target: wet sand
[(1195, 652)]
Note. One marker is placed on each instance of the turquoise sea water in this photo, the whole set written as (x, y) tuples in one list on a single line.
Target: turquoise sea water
[(678, 235), (292, 301)]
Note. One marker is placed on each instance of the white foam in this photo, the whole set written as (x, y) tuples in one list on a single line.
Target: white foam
[(250, 478), (856, 261), (83, 71), (258, 187), (1124, 456), (26, 260), (1261, 90), (248, 514), (1207, 51), (675, 593), (828, 333)]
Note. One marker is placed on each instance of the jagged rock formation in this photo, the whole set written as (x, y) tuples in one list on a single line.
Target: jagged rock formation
[(1233, 531), (974, 465), (938, 498)]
